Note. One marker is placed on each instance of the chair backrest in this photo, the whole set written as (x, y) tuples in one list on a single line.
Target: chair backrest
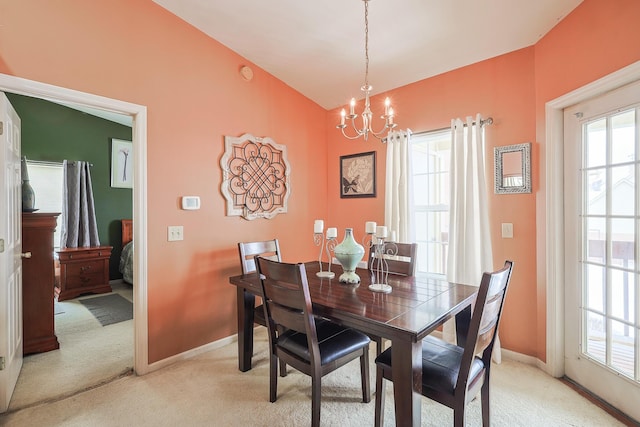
[(403, 262), (485, 319), (248, 250), (287, 300)]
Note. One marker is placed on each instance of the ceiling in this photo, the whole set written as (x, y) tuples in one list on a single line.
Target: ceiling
[(317, 47)]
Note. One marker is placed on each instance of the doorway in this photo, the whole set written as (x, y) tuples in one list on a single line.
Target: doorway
[(602, 232), (552, 201), (138, 113)]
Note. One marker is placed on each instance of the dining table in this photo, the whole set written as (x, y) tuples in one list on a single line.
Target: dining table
[(415, 307)]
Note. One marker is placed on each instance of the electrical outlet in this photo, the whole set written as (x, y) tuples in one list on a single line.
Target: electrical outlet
[(507, 230), (175, 233)]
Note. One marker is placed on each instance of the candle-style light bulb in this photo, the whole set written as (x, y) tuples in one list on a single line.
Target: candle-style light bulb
[(342, 115), (387, 104), (352, 106)]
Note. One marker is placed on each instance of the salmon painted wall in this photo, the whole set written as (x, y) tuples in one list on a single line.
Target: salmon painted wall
[(135, 51), (596, 39), (503, 88)]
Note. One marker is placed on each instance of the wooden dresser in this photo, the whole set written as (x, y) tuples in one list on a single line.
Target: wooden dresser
[(37, 282), (84, 270)]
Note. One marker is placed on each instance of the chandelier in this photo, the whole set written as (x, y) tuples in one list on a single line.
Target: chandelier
[(367, 115)]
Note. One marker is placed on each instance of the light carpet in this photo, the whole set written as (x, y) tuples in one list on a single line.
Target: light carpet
[(208, 390), (89, 355)]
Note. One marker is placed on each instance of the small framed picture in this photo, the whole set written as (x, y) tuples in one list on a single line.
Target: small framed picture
[(358, 175), (121, 163)]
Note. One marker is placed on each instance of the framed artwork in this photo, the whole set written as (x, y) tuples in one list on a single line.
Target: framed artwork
[(358, 175), (121, 163), (256, 177)]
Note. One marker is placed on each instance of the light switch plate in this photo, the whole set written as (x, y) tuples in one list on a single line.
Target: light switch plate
[(507, 230), (175, 233)]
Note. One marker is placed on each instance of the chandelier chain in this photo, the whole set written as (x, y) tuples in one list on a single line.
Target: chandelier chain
[(366, 42)]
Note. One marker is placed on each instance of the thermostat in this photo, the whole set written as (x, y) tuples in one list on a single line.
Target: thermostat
[(190, 203)]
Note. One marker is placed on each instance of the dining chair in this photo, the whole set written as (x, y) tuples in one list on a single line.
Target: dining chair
[(248, 250), (403, 262), (313, 346), (451, 374)]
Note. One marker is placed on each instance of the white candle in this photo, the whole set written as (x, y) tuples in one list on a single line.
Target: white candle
[(318, 226), (332, 233), (352, 106), (342, 114), (381, 232), (370, 227), (387, 103), (393, 236)]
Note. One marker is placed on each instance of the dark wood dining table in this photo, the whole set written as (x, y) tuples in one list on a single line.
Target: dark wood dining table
[(414, 308)]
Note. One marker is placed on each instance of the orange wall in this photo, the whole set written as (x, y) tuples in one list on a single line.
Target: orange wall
[(598, 38), (135, 51), (502, 88)]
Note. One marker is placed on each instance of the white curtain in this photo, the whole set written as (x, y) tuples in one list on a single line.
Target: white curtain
[(398, 212), (470, 252), (79, 227)]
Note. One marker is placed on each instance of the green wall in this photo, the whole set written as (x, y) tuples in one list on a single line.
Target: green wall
[(51, 132)]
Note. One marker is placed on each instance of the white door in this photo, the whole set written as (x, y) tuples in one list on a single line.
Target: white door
[(10, 253), (602, 246)]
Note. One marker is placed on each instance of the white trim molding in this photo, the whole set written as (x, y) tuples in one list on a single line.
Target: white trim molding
[(554, 238), (138, 113)]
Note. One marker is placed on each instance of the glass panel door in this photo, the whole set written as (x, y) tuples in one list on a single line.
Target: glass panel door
[(602, 233)]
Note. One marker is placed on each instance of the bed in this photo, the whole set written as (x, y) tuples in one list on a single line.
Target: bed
[(126, 258)]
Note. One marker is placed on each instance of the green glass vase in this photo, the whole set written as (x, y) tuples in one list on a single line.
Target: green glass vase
[(349, 253)]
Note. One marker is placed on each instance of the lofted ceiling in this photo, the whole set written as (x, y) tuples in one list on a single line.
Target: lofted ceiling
[(317, 47)]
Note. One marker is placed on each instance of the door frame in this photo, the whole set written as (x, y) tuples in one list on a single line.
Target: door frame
[(138, 113), (552, 238)]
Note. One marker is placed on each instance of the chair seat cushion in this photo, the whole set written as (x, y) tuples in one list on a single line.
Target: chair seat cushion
[(334, 341), (440, 364)]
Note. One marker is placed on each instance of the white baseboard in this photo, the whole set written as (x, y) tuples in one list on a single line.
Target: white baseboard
[(507, 354), (192, 353)]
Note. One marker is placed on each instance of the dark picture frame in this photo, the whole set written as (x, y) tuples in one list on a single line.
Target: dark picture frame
[(358, 175)]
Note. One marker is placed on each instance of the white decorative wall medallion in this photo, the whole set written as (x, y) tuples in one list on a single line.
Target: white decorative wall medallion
[(255, 177)]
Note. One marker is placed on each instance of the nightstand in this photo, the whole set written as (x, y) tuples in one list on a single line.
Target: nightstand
[(84, 270)]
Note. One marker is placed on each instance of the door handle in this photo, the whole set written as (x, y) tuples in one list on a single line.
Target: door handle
[(25, 255)]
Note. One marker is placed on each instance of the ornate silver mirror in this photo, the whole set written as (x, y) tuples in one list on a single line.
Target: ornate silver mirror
[(512, 168)]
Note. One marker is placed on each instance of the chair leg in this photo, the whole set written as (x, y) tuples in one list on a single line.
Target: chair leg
[(273, 377), (458, 413), (379, 420), (283, 365), (315, 400), (484, 396), (364, 375)]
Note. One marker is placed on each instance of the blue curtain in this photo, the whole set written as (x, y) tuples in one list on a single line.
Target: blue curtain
[(79, 228)]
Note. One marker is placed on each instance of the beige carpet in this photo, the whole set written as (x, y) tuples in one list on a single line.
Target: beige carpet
[(89, 354), (210, 391)]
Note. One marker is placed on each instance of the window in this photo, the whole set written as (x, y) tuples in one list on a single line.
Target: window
[(430, 154), (46, 180)]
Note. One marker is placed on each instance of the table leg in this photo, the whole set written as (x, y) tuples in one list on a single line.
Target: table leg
[(407, 381), (245, 302), (463, 320)]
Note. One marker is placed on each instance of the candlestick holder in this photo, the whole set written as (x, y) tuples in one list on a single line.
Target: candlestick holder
[(319, 240), (368, 239), (380, 265)]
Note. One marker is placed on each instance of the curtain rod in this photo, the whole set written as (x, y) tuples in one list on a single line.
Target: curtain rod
[(52, 163), (487, 121)]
